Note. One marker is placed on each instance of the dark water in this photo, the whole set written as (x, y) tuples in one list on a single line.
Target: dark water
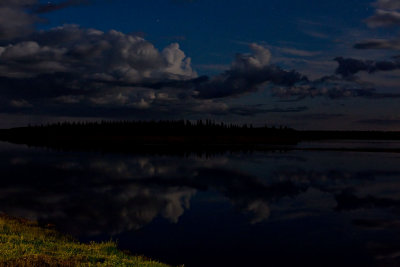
[(289, 208)]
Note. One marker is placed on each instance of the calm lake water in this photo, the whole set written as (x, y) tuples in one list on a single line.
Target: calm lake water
[(314, 208)]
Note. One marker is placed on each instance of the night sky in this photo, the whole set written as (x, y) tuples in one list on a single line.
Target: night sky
[(304, 64)]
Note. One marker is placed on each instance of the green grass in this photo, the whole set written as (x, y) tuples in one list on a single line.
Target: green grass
[(24, 243)]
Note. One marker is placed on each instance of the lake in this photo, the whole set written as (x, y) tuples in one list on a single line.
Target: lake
[(262, 208)]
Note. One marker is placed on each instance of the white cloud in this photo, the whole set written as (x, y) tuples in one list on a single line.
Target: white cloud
[(260, 58), (177, 62), (93, 53)]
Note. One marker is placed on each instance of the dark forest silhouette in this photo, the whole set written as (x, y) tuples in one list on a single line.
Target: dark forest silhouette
[(180, 135)]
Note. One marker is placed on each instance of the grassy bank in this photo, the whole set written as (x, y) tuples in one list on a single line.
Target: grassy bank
[(24, 243)]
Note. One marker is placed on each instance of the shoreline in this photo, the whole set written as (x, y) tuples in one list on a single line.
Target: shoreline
[(26, 243)]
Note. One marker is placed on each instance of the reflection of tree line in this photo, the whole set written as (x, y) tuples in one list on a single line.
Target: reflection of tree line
[(134, 192)]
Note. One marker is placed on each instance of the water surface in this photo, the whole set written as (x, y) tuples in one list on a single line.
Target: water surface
[(318, 208)]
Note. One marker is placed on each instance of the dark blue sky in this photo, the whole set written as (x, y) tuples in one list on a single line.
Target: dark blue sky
[(306, 64), (211, 32)]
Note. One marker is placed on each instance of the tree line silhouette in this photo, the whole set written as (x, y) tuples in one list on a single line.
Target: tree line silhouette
[(177, 134), (126, 136), (162, 127)]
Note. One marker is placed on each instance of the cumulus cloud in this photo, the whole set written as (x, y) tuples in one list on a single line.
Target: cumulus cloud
[(94, 54), (260, 58), (71, 65), (73, 71), (250, 72), (247, 73), (86, 68), (69, 70)]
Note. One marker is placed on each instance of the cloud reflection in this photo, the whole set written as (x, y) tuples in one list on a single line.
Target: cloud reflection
[(93, 194)]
